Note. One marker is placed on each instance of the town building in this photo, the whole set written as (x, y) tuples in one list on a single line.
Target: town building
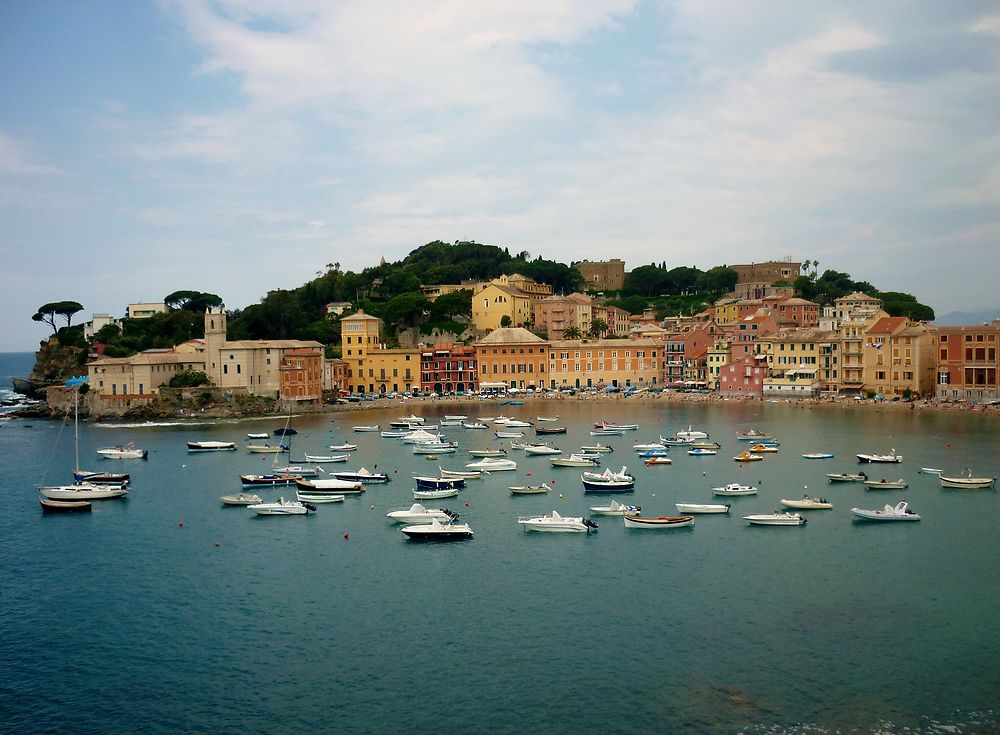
[(716, 358), (97, 323), (794, 357), (744, 377), (853, 315), (143, 310), (301, 375), (514, 356), (968, 362), (602, 275), (370, 367), (555, 315), (604, 362), (497, 304), (743, 335), (898, 358), (614, 317), (335, 376), (336, 308), (769, 272), (140, 375), (448, 367)]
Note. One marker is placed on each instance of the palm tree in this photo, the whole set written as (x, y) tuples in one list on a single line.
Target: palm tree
[(598, 327), (572, 333)]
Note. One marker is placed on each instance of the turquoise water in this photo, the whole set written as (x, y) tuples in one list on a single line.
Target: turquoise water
[(126, 620)]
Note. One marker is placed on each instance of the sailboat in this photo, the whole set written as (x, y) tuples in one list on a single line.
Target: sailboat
[(82, 490), (276, 476)]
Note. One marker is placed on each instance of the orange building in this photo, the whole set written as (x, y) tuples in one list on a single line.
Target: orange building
[(514, 356), (968, 362), (301, 375)]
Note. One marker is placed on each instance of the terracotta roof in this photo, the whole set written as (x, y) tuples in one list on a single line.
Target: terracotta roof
[(359, 316), (888, 324)]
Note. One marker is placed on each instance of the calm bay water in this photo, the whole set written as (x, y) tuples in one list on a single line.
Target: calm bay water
[(125, 620)]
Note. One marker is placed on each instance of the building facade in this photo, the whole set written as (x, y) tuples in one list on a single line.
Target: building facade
[(968, 362), (602, 275), (449, 367), (514, 356), (604, 362)]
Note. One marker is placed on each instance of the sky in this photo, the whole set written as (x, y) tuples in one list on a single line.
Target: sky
[(240, 146)]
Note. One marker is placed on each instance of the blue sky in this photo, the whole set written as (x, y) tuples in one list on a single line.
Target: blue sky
[(239, 146)]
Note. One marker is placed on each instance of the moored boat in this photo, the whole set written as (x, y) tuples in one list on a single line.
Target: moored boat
[(434, 494), (808, 503), (130, 451), (747, 456), (898, 512), (464, 474), (885, 484), (529, 489), (319, 498), (282, 508), (65, 506), (326, 458), (83, 491), (550, 430), (614, 508), (659, 522), (775, 519), (556, 523), (265, 449), (359, 429), (101, 478), (734, 489), (846, 477), (487, 452), (651, 461), (491, 464), (689, 508), (417, 513), (597, 448), (818, 455), (363, 475), (574, 460), (889, 458), (211, 446), (270, 479), (241, 499), (752, 435), (763, 448), (437, 531), (967, 481), (437, 483), (330, 485), (701, 452), (541, 449)]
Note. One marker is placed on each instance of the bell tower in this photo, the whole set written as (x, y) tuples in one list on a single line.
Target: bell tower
[(215, 339)]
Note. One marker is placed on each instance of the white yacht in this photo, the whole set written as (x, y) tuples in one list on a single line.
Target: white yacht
[(556, 523), (417, 513)]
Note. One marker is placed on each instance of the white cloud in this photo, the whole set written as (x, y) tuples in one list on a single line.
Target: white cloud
[(16, 159)]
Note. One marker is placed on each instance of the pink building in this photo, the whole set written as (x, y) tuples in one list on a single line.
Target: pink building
[(744, 377), (745, 333)]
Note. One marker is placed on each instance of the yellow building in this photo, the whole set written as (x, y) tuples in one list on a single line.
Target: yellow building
[(717, 358), (371, 368), (726, 312), (796, 360), (898, 358), (852, 317), (494, 302), (604, 362)]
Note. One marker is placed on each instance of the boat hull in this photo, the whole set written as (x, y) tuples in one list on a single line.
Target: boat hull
[(84, 492), (65, 506), (967, 483), (690, 508), (661, 523), (775, 520)]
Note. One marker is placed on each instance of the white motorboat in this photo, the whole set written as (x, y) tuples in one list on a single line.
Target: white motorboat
[(417, 513), (462, 474), (318, 498), (345, 447), (210, 446), (675, 441), (529, 489), (434, 494), (455, 417), (330, 485), (241, 499), (84, 491), (967, 481), (363, 475), (846, 477), (574, 460), (516, 424), (556, 523), (692, 434), (408, 420), (615, 509), (437, 531), (931, 470), (299, 470), (597, 448), (547, 418), (487, 452), (775, 519), (123, 452), (889, 458), (258, 435), (373, 427), (541, 449), (734, 488), (435, 448), (326, 458), (659, 522), (689, 508), (651, 445), (621, 427), (420, 436), (508, 434), (898, 512), (752, 435), (491, 464), (473, 425), (266, 449), (281, 508), (608, 481), (808, 503), (885, 484)]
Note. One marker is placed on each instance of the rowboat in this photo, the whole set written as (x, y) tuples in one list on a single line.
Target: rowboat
[(661, 522), (884, 484), (343, 447), (373, 427), (487, 452), (529, 489), (241, 499), (689, 508), (326, 458), (265, 449), (65, 506), (775, 519), (846, 477), (808, 503), (550, 430), (967, 481), (463, 474), (447, 492), (320, 498)]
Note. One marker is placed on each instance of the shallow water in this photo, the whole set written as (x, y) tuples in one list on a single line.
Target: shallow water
[(125, 620)]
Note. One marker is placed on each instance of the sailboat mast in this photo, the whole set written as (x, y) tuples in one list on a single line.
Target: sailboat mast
[(76, 425)]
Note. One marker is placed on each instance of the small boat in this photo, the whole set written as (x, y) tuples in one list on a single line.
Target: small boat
[(808, 503), (529, 489), (123, 452), (329, 485), (445, 492), (241, 499), (607, 432), (326, 458), (425, 482), (541, 449), (620, 427), (285, 431), (689, 508), (967, 481), (846, 477), (101, 478), (818, 455), (692, 434), (746, 456), (394, 433), (450, 422), (417, 513), (647, 453), (420, 436), (463, 474), (660, 522), (650, 461), (270, 479), (733, 489), (265, 449), (550, 419), (650, 445), (437, 531), (319, 498), (556, 523), (597, 448), (889, 458), (209, 446), (363, 475), (435, 448), (258, 435), (83, 491), (763, 448), (487, 452), (508, 434), (516, 424), (373, 427), (775, 519), (752, 435), (493, 465), (343, 447), (407, 420), (473, 425), (65, 506), (550, 430), (455, 417), (616, 509), (282, 508), (693, 452), (300, 470), (574, 460), (703, 445), (608, 481), (931, 470), (674, 441), (899, 512), (884, 484)]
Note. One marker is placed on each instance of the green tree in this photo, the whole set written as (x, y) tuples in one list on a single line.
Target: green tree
[(598, 327), (196, 301), (405, 309), (189, 379), (505, 321), (48, 312), (456, 303), (572, 333)]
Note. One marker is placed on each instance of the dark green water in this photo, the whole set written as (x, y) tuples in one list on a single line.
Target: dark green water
[(125, 620)]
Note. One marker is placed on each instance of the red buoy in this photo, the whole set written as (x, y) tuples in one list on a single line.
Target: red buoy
[(347, 534), (180, 523)]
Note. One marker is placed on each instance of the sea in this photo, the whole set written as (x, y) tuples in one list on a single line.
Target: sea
[(167, 612), (13, 365)]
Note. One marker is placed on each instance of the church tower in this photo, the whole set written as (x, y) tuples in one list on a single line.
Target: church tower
[(215, 339)]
